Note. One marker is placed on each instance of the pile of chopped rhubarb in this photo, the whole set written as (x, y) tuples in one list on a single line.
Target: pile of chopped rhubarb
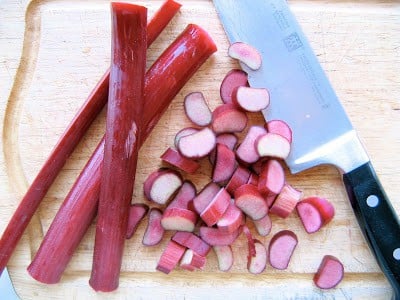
[(247, 182)]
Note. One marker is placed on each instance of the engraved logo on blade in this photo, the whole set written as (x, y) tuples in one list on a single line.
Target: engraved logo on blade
[(292, 42)]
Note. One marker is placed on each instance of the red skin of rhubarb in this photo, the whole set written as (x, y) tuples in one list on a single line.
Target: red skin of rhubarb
[(272, 178), (286, 201), (180, 219), (232, 80), (279, 127), (124, 112), (256, 264), (216, 237), (330, 273), (205, 196), (136, 214), (281, 248), (231, 219), (170, 257), (184, 197), (67, 143), (250, 242), (163, 82), (197, 261), (250, 201), (177, 160), (216, 208), (192, 241), (228, 139), (239, 177), (253, 179), (154, 231), (224, 164)]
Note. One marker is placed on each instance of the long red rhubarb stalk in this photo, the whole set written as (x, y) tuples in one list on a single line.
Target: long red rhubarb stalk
[(163, 81), (67, 143), (124, 113)]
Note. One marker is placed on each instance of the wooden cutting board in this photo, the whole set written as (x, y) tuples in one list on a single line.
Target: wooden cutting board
[(54, 51)]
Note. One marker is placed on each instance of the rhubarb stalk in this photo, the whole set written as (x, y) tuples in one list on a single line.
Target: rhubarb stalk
[(163, 81), (124, 111), (67, 143)]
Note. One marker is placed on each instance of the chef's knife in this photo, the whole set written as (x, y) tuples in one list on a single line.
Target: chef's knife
[(7, 291), (322, 133)]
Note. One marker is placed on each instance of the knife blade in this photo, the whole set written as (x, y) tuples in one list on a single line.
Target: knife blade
[(6, 287), (322, 133)]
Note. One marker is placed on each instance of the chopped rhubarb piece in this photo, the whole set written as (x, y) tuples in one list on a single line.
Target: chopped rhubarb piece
[(196, 109), (270, 199), (217, 237), (179, 219), (330, 273), (253, 179), (124, 118), (164, 79), (198, 144), (184, 132), (192, 261), (154, 231), (250, 201), (231, 219), (246, 152), (246, 54), (224, 164), (258, 165), (227, 118), (192, 241), (263, 226), (272, 178), (216, 208), (256, 264), (184, 197), (286, 201), (250, 241), (279, 127), (314, 212), (224, 256), (170, 257), (201, 201), (239, 177), (251, 99), (281, 248), (272, 145), (175, 159), (136, 214), (231, 81), (228, 139), (161, 185)]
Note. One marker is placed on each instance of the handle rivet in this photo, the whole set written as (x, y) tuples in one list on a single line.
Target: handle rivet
[(396, 254), (372, 201)]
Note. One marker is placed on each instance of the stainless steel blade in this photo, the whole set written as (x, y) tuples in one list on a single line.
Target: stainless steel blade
[(7, 291), (301, 94)]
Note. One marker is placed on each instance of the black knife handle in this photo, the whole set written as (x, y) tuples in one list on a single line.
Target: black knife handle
[(377, 219)]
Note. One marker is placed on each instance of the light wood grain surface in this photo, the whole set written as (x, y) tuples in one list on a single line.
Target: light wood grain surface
[(52, 54)]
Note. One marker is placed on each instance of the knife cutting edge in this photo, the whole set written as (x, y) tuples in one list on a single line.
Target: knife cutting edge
[(322, 132), (7, 291)]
